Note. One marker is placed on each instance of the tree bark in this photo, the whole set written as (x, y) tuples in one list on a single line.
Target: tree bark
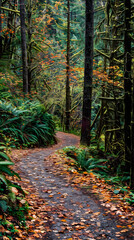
[(129, 132), (88, 75), (29, 44), (132, 156), (24, 47), (0, 30), (68, 102), (127, 85)]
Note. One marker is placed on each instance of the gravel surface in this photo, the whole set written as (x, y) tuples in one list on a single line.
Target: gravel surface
[(75, 214)]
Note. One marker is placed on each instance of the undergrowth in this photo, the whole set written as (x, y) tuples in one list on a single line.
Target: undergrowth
[(101, 164), (26, 124), (12, 203)]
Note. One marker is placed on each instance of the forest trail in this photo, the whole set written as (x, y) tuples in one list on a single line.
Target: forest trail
[(67, 211)]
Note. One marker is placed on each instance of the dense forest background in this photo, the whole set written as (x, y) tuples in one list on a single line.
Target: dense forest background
[(68, 66), (43, 64)]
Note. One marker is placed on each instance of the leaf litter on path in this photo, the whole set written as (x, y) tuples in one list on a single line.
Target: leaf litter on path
[(64, 203)]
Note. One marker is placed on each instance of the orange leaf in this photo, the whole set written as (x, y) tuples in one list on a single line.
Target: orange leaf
[(118, 226), (85, 173)]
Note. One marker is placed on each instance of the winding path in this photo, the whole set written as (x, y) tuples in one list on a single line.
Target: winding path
[(82, 215)]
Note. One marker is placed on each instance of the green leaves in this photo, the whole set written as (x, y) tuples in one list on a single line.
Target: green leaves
[(8, 190), (116, 191), (3, 179), (3, 205), (28, 124), (5, 170), (131, 198), (85, 162), (5, 163), (4, 156)]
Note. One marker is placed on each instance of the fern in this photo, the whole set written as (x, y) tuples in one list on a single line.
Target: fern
[(83, 161), (27, 122)]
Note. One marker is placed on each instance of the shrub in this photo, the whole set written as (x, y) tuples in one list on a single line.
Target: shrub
[(27, 124), (85, 162), (11, 197)]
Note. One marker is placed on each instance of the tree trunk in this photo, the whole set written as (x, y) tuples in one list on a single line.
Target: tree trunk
[(24, 47), (132, 156), (29, 44), (88, 75), (0, 30), (68, 102), (127, 85), (129, 102), (13, 46)]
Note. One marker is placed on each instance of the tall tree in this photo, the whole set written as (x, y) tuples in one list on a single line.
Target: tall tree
[(127, 84), (88, 74), (24, 46), (129, 96), (29, 44), (0, 30), (132, 156), (68, 103)]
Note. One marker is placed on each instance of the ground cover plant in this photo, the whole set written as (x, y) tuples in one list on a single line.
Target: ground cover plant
[(27, 124), (89, 160), (12, 202)]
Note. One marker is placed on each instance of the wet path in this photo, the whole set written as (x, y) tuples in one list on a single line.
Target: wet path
[(74, 214)]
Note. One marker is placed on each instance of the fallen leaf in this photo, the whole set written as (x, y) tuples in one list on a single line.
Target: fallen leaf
[(113, 208)]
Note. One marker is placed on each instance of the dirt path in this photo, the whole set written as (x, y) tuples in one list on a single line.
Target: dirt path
[(74, 214)]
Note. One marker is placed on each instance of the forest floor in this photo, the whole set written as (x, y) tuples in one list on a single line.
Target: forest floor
[(65, 204)]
